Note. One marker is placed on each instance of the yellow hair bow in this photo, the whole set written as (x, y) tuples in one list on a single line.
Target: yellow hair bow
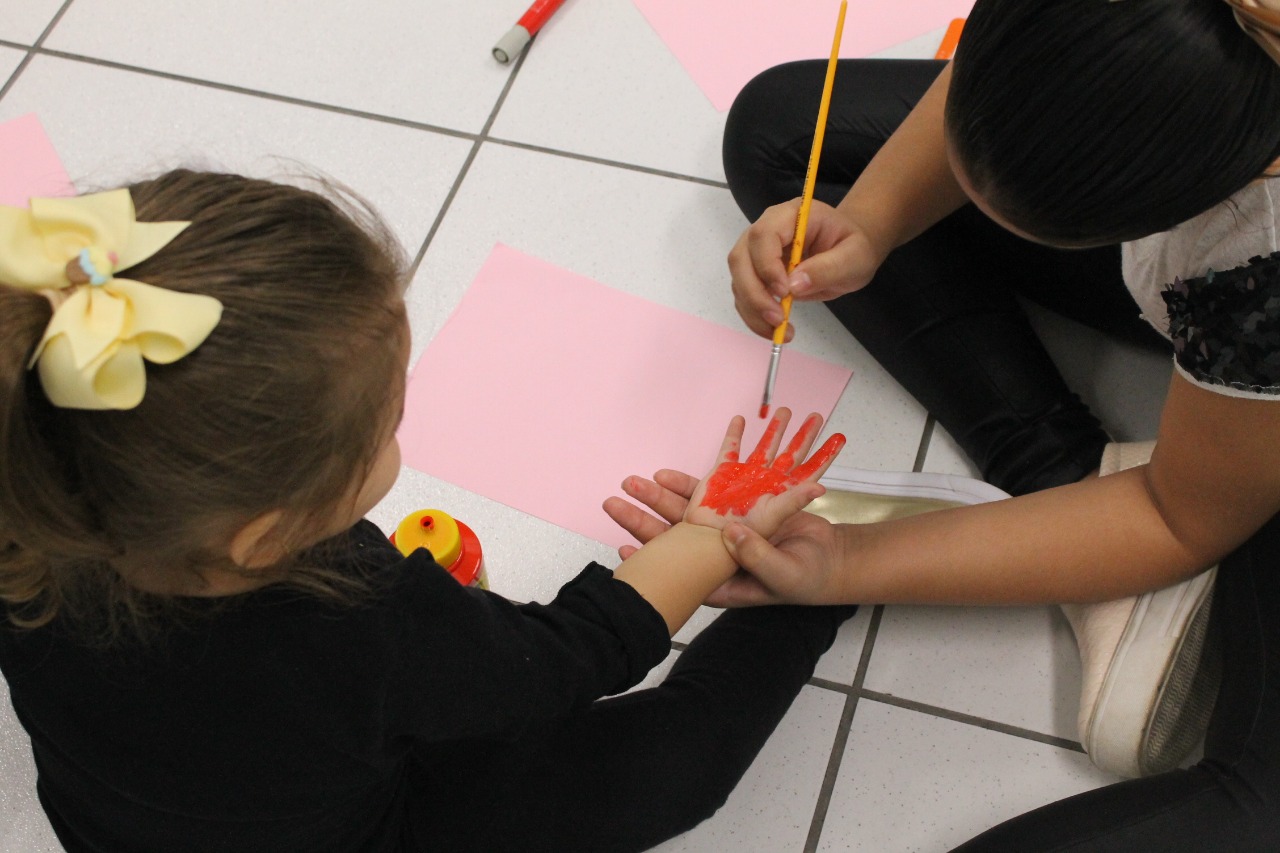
[(91, 355)]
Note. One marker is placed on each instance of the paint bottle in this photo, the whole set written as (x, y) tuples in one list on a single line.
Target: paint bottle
[(453, 545)]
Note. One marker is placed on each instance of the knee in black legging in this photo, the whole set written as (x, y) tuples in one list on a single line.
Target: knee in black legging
[(760, 171), (769, 130)]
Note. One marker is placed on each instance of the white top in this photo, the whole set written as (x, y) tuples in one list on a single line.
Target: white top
[(1222, 238)]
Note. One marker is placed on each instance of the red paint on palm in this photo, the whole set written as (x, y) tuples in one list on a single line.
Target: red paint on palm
[(766, 442), (735, 487)]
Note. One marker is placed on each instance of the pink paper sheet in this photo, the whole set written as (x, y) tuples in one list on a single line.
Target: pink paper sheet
[(724, 43), (545, 389), (28, 164)]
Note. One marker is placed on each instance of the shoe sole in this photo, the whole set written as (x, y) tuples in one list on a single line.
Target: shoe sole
[(1168, 633)]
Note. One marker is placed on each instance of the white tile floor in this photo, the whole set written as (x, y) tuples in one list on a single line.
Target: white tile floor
[(597, 153)]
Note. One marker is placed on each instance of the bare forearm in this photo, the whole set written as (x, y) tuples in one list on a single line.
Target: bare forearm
[(1091, 541), (677, 570), (908, 186)]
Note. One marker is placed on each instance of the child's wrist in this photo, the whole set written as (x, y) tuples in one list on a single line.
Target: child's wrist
[(677, 569), (693, 528), (690, 519), (708, 540)]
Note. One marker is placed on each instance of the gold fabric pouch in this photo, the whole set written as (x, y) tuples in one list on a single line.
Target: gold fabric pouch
[(856, 496)]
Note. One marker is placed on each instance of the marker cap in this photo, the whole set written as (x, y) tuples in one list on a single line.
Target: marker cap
[(510, 45)]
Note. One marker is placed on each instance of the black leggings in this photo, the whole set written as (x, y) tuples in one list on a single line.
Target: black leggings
[(942, 317), (632, 771)]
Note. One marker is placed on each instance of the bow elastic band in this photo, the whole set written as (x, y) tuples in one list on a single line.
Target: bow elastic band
[(91, 355)]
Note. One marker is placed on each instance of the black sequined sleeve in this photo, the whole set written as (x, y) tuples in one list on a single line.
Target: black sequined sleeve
[(1225, 326)]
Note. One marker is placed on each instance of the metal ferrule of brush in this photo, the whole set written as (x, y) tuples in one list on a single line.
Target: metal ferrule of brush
[(774, 357)]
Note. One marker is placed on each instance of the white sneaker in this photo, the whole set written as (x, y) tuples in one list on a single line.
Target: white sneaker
[(1150, 669), (1150, 666)]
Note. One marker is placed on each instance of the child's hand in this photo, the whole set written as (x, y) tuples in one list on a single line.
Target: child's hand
[(667, 495), (766, 488)]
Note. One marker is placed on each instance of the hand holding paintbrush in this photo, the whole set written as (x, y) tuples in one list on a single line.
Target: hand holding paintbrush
[(802, 220)]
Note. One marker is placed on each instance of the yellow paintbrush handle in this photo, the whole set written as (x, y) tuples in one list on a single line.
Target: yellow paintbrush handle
[(811, 175)]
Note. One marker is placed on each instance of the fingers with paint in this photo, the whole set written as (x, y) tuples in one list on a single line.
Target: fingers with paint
[(735, 487)]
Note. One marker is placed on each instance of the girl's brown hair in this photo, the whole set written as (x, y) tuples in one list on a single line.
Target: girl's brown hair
[(283, 407)]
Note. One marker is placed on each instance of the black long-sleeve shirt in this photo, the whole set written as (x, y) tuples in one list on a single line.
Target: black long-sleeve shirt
[(281, 722)]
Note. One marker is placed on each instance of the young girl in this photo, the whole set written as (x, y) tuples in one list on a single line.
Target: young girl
[(1073, 148), (212, 651)]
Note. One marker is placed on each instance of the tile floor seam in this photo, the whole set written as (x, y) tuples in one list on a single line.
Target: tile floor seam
[(926, 438), (234, 89), (381, 118), (828, 684), (33, 49), (53, 22), (841, 740), (604, 161), (466, 166), (7, 84), (970, 720)]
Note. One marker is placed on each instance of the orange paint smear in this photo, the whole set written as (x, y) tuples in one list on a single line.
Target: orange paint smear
[(736, 487), (766, 441), (787, 459)]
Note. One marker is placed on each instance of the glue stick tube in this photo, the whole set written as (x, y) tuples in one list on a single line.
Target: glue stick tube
[(510, 45)]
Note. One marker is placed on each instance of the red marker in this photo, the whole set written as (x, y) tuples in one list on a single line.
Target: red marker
[(510, 45)]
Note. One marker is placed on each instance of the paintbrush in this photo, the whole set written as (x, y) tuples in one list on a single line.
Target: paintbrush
[(802, 219)]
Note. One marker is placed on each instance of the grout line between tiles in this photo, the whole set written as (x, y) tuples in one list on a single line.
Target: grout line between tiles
[(841, 740), (971, 720), (8, 84), (926, 438), (827, 684), (254, 93), (602, 161), (466, 165), (38, 50), (32, 50), (57, 18)]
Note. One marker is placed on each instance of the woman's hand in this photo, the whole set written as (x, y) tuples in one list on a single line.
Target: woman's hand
[(767, 487), (839, 258), (795, 565), (799, 564), (762, 490)]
